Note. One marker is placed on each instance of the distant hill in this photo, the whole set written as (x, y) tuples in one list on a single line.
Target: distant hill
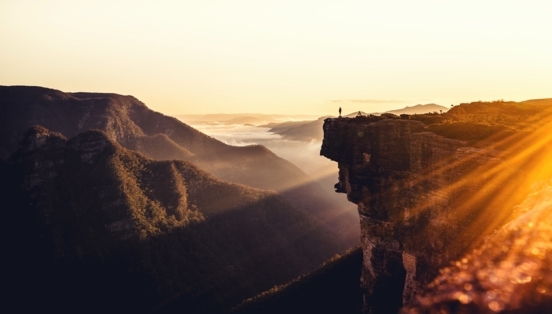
[(301, 131), (356, 113), (124, 119), (127, 121), (283, 126), (227, 118), (89, 225), (245, 120), (420, 109)]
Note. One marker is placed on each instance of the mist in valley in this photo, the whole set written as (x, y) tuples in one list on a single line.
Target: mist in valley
[(304, 154), (268, 157), (155, 208)]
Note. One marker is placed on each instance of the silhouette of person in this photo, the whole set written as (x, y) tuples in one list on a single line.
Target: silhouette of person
[(340, 112)]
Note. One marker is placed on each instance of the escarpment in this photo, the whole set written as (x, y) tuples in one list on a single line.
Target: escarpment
[(423, 200)]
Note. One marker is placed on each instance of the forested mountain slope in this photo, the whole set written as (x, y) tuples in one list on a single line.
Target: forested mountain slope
[(90, 226), (127, 121)]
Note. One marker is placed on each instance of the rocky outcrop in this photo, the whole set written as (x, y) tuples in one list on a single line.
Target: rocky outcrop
[(423, 200)]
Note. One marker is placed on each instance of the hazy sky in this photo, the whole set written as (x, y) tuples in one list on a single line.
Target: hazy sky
[(281, 56)]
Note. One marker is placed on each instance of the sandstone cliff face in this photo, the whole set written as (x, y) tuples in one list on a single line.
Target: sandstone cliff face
[(423, 200)]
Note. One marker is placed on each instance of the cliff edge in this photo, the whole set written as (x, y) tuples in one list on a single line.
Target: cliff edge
[(424, 200)]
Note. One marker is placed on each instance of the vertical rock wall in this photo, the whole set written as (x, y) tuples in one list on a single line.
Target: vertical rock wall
[(411, 188)]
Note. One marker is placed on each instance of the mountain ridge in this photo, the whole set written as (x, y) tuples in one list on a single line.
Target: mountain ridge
[(97, 224), (130, 123)]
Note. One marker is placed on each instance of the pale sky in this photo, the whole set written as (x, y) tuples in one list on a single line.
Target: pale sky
[(281, 56)]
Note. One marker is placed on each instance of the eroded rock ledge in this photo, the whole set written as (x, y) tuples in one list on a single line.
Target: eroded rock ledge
[(423, 201)]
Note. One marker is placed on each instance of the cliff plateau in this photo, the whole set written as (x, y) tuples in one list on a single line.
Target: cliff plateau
[(425, 200)]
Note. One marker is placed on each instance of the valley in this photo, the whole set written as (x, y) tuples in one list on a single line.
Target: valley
[(112, 204), (268, 157)]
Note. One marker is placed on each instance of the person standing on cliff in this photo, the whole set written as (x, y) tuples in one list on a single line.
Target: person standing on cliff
[(340, 112)]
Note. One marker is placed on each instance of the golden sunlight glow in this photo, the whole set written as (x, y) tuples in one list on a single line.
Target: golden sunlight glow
[(281, 56), (525, 160)]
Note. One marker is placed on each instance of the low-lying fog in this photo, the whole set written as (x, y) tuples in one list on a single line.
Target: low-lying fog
[(247, 129), (305, 155)]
